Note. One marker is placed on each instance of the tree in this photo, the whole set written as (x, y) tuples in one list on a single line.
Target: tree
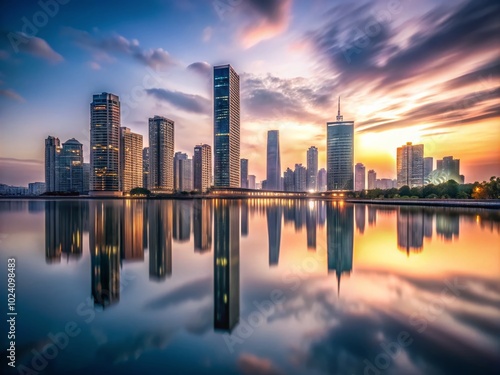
[(404, 191), (140, 191)]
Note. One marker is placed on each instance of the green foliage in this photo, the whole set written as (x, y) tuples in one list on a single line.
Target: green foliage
[(140, 191)]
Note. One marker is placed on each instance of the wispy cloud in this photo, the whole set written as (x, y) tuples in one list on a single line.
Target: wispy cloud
[(186, 102), (36, 46), (11, 94)]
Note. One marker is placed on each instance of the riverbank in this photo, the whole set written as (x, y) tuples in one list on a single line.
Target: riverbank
[(474, 203)]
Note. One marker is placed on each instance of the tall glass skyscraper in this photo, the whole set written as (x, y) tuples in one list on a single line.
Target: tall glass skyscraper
[(244, 173), (273, 161), (105, 144), (312, 168), (161, 154), (52, 150), (202, 167), (226, 127), (340, 154), (70, 167)]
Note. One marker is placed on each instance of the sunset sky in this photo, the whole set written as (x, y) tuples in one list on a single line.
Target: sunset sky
[(426, 72)]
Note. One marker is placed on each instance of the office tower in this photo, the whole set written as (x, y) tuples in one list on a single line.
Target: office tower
[(131, 163), (145, 168), (340, 154), (160, 240), (274, 213), (70, 167), (322, 179), (299, 177), (251, 181), (202, 167), (289, 180), (161, 154), (182, 221), (131, 230), (226, 264), (178, 156), (359, 173), (312, 169), (105, 145), (86, 178), (104, 244), (226, 127), (372, 179), (186, 174), (410, 165), (202, 225), (52, 149), (273, 160), (428, 166), (244, 173), (340, 239)]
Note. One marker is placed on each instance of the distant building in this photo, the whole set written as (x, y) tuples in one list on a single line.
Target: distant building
[(105, 145), (185, 175), (322, 179), (289, 180), (86, 178), (340, 154), (359, 177), (226, 127), (13, 190), (131, 163), (252, 181), (447, 169), (385, 183), (372, 178), (161, 154), (178, 156), (312, 168), (299, 175), (145, 167), (36, 188), (428, 166), (70, 167), (273, 161), (52, 150), (244, 173), (410, 165), (202, 168)]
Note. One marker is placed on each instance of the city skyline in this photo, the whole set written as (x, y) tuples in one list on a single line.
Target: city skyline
[(444, 103)]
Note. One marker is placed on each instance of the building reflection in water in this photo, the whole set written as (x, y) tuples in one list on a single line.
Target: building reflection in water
[(160, 239), (244, 218), (447, 224), (226, 264), (132, 227), (182, 220), (372, 215), (104, 244), (340, 238), (360, 217), (274, 212), (311, 223), (63, 230), (413, 224), (202, 225)]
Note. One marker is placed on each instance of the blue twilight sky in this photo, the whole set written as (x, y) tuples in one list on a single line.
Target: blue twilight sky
[(424, 71)]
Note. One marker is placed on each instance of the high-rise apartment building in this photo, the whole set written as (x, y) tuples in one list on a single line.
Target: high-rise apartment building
[(70, 167), (289, 180), (145, 167), (322, 179), (178, 156), (131, 163), (372, 179), (273, 181), (161, 154), (202, 168), (226, 127), (312, 168), (300, 179), (359, 174), (340, 154), (105, 144), (52, 150), (410, 165)]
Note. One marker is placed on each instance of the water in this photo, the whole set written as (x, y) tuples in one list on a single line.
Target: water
[(252, 287)]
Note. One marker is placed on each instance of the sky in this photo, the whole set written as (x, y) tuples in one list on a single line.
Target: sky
[(423, 72)]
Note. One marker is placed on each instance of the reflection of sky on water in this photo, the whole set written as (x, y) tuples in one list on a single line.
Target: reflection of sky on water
[(345, 280)]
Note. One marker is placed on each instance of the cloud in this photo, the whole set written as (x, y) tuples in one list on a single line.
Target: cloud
[(94, 66), (186, 102), (202, 68), (207, 34), (103, 49), (265, 20), (11, 94), (250, 364), (34, 46)]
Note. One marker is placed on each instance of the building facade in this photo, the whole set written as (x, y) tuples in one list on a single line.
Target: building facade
[(161, 154), (202, 168), (428, 166), (105, 144), (322, 179), (226, 127), (70, 167), (359, 177), (410, 165), (372, 178), (145, 167), (312, 168), (300, 177), (178, 156), (244, 173), (273, 180), (131, 163), (52, 150)]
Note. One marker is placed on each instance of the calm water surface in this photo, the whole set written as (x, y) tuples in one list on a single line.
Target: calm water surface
[(252, 287)]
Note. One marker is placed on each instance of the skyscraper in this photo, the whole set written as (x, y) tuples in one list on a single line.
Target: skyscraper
[(450, 165), (52, 149), (226, 127), (70, 167), (244, 173), (288, 180), (86, 178), (105, 145), (185, 175), (130, 160), (251, 181), (312, 168), (178, 156), (428, 166), (273, 161), (299, 176), (372, 179), (161, 154), (322, 179), (340, 154), (360, 173), (202, 167), (410, 165), (145, 168)]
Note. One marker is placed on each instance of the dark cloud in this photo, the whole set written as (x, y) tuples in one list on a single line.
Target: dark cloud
[(183, 101)]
